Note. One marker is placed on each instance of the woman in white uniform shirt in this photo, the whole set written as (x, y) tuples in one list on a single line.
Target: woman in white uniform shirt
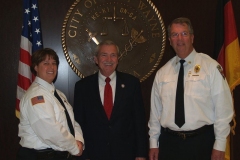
[(43, 128)]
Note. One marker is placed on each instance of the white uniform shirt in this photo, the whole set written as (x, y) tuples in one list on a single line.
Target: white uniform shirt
[(43, 122), (207, 98)]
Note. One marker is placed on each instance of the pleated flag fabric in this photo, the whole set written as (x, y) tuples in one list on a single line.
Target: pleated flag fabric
[(227, 51), (31, 40)]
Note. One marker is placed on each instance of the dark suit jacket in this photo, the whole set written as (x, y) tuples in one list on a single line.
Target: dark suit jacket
[(124, 136)]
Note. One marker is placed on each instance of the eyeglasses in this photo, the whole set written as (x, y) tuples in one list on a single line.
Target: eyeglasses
[(184, 34)]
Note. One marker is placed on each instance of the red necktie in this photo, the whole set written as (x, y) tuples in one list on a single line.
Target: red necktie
[(108, 100)]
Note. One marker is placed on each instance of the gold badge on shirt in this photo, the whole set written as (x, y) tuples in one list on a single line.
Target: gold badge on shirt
[(220, 69), (197, 68)]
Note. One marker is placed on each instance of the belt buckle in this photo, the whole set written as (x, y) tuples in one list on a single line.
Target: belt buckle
[(69, 155), (183, 135)]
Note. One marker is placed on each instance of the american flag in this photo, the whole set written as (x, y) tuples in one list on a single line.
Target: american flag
[(38, 99), (31, 40)]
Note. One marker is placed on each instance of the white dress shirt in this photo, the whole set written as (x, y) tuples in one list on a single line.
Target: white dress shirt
[(102, 83)]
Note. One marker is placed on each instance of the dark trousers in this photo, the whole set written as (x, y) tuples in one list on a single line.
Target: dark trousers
[(31, 154), (199, 147)]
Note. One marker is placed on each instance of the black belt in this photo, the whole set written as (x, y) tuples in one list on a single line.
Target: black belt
[(187, 134), (50, 153)]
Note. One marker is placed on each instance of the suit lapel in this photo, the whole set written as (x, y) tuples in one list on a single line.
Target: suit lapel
[(96, 97), (119, 92)]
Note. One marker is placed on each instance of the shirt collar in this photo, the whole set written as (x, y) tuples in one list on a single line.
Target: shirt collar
[(189, 59), (45, 84), (102, 77)]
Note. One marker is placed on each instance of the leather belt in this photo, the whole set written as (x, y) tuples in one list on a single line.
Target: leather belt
[(187, 134), (50, 153)]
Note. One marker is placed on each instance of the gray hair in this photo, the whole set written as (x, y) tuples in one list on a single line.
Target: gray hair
[(181, 20), (106, 42)]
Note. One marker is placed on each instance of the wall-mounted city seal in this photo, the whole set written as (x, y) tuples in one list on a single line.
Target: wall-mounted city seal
[(135, 26)]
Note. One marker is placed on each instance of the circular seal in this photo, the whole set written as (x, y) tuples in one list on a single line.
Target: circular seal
[(134, 25)]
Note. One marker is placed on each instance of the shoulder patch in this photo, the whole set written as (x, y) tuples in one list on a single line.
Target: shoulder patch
[(220, 69), (37, 99)]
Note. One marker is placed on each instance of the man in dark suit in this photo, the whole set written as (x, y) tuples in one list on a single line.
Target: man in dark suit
[(119, 132)]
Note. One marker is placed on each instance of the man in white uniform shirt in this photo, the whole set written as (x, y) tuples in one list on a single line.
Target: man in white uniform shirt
[(206, 102)]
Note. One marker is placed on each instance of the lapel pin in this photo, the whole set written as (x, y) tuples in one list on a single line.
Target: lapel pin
[(122, 85)]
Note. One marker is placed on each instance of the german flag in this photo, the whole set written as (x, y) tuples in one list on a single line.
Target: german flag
[(226, 50)]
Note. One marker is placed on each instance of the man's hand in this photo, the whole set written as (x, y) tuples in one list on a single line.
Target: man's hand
[(140, 158), (153, 153), (217, 155), (80, 147)]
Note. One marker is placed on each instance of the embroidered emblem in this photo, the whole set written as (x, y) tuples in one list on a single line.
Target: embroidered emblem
[(197, 68), (38, 99), (220, 69)]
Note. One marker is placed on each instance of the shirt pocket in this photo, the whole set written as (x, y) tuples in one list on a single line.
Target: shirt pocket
[(197, 86), (60, 113), (168, 85)]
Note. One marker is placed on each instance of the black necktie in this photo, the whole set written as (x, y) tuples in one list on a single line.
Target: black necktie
[(66, 112), (179, 105)]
